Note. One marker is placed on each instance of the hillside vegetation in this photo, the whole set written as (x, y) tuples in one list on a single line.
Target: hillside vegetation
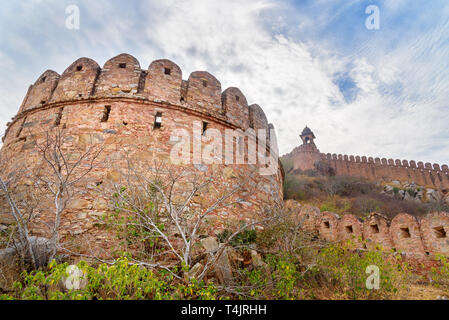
[(345, 194)]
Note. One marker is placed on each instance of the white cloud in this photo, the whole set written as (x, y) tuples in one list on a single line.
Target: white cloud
[(400, 109)]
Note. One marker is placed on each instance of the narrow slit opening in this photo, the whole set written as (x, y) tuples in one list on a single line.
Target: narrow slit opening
[(58, 117), (440, 233), (106, 112), (374, 228), (405, 232), (158, 120)]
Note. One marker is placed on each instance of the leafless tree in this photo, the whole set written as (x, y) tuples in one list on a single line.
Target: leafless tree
[(171, 204), (58, 172), (20, 237), (53, 177)]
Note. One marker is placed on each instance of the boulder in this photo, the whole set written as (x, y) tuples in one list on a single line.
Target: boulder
[(388, 189), (41, 250), (195, 271), (222, 268), (257, 259), (210, 244), (433, 195)]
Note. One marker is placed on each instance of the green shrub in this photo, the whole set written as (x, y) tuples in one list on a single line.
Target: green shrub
[(440, 274), (345, 271), (244, 237), (120, 281)]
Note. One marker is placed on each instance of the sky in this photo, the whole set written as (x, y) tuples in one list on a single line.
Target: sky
[(380, 92)]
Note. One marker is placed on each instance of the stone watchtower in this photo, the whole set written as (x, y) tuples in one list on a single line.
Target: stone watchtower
[(305, 156), (307, 136)]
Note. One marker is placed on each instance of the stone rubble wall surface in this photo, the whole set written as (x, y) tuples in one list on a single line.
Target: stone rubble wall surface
[(374, 169), (426, 236), (77, 101)]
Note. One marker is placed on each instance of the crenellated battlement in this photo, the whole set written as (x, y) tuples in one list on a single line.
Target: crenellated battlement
[(135, 113), (385, 162), (426, 174), (419, 237), (122, 77)]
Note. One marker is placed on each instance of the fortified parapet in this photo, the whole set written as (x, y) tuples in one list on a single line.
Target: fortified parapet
[(122, 106), (120, 76), (77, 81), (417, 238), (41, 91), (406, 234), (350, 228), (376, 232), (328, 225), (435, 229), (307, 156)]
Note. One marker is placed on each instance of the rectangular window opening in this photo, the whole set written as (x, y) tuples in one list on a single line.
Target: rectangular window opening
[(58, 117), (158, 120), (106, 112), (349, 229), (204, 83), (374, 228), (440, 232), (241, 146), (405, 232), (237, 98), (79, 68), (204, 127), (327, 225), (122, 65), (167, 71)]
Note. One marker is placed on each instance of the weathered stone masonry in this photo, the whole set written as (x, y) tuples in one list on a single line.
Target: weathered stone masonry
[(374, 169), (117, 105), (422, 237)]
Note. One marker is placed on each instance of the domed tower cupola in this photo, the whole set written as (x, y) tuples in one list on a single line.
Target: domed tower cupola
[(307, 136)]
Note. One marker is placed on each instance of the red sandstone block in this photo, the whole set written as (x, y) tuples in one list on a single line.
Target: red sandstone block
[(376, 232), (406, 235), (350, 228), (328, 225), (435, 232)]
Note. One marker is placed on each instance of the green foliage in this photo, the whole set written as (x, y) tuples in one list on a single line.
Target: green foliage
[(367, 205), (244, 237), (440, 274), (411, 192), (345, 271), (282, 282), (336, 205), (120, 281)]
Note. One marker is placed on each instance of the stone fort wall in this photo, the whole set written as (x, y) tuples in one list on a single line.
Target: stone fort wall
[(131, 98), (416, 237), (375, 169)]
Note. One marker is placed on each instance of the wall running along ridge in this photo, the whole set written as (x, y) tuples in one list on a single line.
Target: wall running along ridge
[(422, 237), (374, 169), (76, 102)]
